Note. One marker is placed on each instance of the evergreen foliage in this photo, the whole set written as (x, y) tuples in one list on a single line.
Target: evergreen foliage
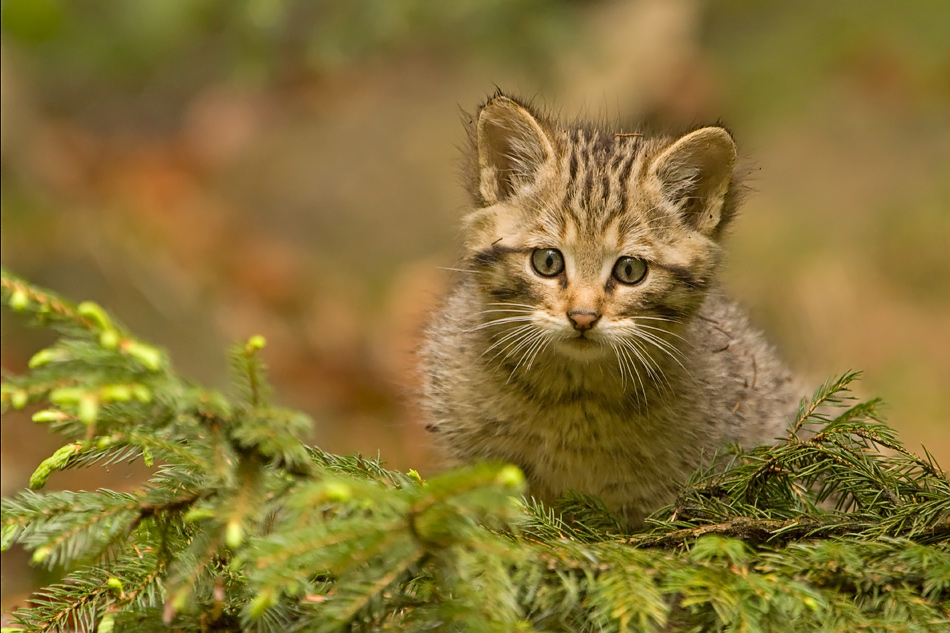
[(244, 528)]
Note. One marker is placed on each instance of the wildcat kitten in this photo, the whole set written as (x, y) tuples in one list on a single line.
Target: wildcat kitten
[(587, 341)]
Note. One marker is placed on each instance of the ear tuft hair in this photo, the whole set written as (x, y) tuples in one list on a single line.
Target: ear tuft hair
[(510, 148), (695, 175)]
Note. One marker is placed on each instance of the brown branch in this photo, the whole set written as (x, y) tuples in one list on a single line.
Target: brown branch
[(49, 301)]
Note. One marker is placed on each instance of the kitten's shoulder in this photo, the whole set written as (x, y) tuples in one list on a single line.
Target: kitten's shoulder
[(722, 321), (742, 370)]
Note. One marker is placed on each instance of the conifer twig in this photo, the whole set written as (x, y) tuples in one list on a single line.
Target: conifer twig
[(243, 527)]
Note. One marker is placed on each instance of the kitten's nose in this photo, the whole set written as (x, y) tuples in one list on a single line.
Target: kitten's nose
[(582, 319)]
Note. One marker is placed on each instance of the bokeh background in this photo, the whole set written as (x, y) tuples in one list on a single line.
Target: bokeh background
[(210, 169)]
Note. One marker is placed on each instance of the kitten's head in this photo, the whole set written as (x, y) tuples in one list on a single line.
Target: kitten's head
[(588, 242)]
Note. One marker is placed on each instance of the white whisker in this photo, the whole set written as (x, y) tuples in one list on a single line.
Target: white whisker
[(514, 310), (524, 343), (502, 321), (457, 270), (620, 366), (665, 347), (653, 369), (515, 333), (664, 331), (513, 305), (639, 384), (536, 340), (547, 341)]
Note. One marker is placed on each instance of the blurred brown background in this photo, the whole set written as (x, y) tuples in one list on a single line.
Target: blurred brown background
[(209, 170)]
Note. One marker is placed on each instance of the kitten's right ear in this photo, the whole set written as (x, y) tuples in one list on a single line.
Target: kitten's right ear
[(695, 174), (512, 148)]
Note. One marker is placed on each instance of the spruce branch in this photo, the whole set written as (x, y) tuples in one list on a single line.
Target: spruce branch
[(833, 392), (242, 527)]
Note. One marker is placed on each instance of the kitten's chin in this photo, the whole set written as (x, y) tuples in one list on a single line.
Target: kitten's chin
[(581, 348)]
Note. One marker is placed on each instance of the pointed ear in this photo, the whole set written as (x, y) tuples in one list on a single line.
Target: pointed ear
[(694, 175), (512, 148)]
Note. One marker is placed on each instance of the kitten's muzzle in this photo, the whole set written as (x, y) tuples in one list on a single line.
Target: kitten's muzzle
[(583, 320)]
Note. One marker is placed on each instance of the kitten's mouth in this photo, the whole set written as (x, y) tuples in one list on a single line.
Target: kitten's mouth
[(580, 347)]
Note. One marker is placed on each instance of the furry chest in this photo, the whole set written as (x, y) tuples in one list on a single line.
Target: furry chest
[(586, 446)]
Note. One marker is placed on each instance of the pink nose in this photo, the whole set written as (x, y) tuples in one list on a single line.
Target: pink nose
[(583, 320)]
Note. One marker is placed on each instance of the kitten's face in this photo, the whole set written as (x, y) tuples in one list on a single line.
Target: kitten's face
[(587, 287), (591, 245), (585, 293)]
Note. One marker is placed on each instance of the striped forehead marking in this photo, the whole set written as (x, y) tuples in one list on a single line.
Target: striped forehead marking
[(597, 168)]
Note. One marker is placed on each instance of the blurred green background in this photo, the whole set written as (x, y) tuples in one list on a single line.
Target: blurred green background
[(211, 169)]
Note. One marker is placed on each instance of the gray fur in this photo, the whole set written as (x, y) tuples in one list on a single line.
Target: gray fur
[(670, 372)]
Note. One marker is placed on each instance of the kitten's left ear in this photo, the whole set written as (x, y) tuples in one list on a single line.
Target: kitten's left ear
[(694, 174), (511, 146)]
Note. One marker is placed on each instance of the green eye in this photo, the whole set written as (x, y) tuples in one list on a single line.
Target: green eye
[(547, 262), (630, 270)]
